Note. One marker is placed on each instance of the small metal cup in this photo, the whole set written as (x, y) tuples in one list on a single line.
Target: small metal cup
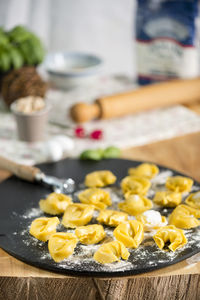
[(31, 127)]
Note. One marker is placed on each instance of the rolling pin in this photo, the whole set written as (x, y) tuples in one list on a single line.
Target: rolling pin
[(179, 91)]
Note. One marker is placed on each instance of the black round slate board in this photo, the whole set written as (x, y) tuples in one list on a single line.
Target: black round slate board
[(18, 196)]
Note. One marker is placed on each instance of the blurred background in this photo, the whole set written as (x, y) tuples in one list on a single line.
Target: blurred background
[(55, 54), (105, 28)]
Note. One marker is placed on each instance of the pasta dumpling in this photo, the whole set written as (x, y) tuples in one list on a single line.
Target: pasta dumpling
[(77, 215), (144, 170), (55, 203), (185, 217), (99, 198), (170, 238), (100, 178), (112, 217), (167, 198), (61, 245), (193, 200), (111, 252), (135, 185), (135, 204), (179, 184), (90, 234), (42, 228), (152, 219), (130, 233)]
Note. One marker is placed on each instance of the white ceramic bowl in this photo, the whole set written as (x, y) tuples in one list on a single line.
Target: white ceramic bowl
[(67, 70)]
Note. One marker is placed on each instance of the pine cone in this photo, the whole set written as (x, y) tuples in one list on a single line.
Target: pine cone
[(21, 83)]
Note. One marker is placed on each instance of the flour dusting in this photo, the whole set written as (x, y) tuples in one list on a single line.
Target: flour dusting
[(32, 213), (146, 256)]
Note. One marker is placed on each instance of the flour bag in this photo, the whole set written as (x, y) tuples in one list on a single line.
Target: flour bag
[(167, 38)]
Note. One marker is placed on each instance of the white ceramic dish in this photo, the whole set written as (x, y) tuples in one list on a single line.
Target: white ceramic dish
[(67, 70)]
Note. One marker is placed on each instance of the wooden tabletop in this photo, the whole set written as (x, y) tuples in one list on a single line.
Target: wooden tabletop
[(180, 281)]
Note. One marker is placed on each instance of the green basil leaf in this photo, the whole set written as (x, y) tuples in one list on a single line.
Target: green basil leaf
[(111, 152), (96, 154)]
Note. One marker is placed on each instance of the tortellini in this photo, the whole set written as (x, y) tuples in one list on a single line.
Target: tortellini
[(95, 196), (135, 204), (179, 184), (130, 233), (127, 233), (77, 215), (152, 219), (111, 252), (167, 198), (55, 203), (185, 217), (61, 245), (135, 185), (100, 178), (144, 170), (170, 237), (42, 228), (193, 200), (112, 217), (90, 234)]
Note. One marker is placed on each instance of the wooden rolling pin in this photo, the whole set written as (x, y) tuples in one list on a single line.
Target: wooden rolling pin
[(180, 91)]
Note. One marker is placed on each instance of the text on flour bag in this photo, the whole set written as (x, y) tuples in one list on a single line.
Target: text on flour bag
[(167, 38)]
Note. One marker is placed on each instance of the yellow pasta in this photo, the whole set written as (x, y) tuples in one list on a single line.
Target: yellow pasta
[(100, 178), (167, 198), (179, 184), (185, 217), (42, 228), (99, 198), (135, 204), (55, 203), (61, 245), (130, 233), (193, 200), (111, 252), (90, 234), (135, 185), (170, 238), (144, 170), (77, 215), (127, 233), (152, 219), (112, 217)]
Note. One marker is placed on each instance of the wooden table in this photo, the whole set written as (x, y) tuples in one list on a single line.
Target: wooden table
[(180, 281)]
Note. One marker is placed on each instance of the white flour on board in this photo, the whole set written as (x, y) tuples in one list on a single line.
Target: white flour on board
[(146, 255)]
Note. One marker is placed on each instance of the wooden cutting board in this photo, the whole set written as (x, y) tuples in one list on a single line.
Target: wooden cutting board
[(180, 281)]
